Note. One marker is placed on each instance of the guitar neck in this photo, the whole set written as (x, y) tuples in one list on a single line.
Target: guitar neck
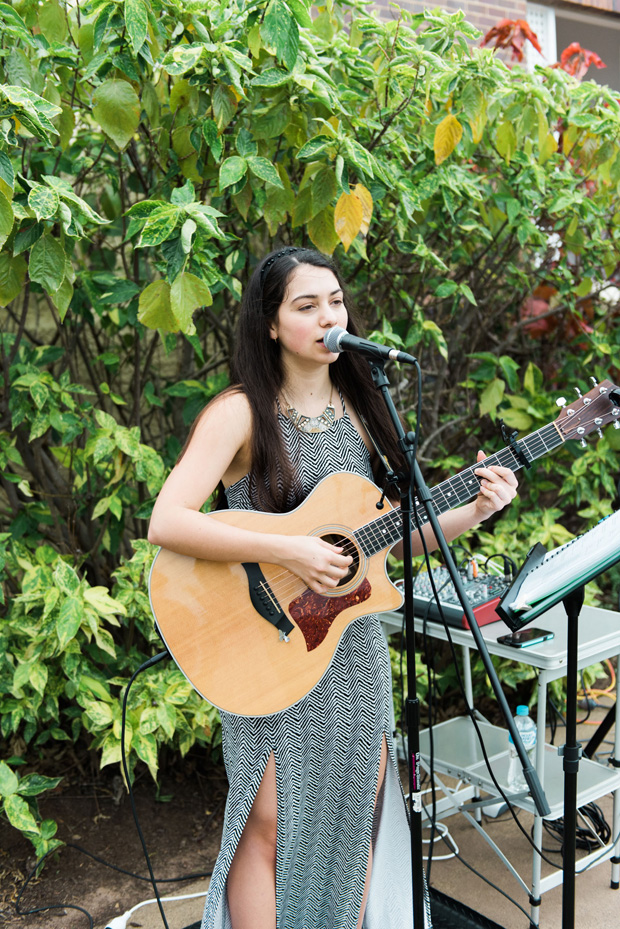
[(384, 531)]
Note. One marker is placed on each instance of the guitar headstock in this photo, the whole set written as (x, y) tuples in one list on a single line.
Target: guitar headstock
[(591, 412)]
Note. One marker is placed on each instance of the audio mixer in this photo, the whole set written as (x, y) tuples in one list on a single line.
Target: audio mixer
[(484, 593)]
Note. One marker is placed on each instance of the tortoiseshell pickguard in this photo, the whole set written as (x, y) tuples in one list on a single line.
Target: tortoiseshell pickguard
[(314, 613)]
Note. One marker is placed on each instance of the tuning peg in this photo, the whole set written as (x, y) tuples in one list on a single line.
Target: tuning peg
[(583, 443), (577, 391), (616, 425), (600, 433), (594, 381), (561, 401)]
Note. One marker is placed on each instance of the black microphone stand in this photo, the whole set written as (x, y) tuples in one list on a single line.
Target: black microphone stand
[(412, 704)]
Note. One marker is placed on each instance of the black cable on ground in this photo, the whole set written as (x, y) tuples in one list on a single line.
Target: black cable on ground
[(151, 879), (147, 664), (107, 864), (486, 879), (584, 837)]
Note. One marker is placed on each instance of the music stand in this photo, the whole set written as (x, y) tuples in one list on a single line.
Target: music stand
[(547, 568)]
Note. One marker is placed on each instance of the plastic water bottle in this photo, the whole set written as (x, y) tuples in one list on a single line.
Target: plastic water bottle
[(527, 730)]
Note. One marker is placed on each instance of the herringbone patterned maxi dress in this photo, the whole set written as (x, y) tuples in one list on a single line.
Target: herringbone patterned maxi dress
[(327, 750)]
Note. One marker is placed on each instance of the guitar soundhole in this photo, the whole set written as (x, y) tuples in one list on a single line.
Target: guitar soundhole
[(348, 548)]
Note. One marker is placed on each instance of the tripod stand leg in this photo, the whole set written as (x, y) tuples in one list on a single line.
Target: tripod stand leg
[(572, 750)]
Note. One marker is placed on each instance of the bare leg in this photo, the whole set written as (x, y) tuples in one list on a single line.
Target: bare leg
[(252, 876), (382, 767)]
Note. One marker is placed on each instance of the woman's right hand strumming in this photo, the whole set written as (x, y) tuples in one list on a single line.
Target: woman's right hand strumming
[(319, 565)]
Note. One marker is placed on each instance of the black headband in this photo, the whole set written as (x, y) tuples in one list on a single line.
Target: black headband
[(265, 268)]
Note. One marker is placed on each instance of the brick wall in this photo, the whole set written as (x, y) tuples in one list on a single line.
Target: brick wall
[(484, 15)]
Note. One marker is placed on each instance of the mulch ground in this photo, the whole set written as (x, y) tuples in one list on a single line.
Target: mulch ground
[(181, 822)]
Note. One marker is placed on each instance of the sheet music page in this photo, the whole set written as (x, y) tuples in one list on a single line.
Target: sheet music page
[(569, 562)]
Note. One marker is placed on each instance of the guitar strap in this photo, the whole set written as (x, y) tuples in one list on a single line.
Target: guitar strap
[(375, 444)]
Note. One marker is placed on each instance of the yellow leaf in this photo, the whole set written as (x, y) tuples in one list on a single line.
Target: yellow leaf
[(447, 136), (348, 218), (478, 122), (548, 148), (365, 197)]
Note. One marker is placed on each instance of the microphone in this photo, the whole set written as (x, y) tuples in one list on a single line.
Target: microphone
[(339, 340)]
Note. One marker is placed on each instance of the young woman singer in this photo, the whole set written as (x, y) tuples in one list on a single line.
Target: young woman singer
[(315, 833)]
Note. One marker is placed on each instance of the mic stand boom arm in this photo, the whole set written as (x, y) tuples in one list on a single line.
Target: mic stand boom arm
[(412, 704)]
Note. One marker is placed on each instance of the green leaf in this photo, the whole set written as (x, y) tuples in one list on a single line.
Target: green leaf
[(66, 126), (212, 138), (159, 226), (187, 294), (8, 780), (6, 219), (314, 147), (324, 188), (232, 170), (281, 32), (34, 784), (154, 307), (465, 289), (66, 192), (6, 168), (271, 77), (19, 815), (300, 11), (136, 21), (322, 231), (446, 289), (62, 298), (182, 196), (14, 24), (224, 105), (264, 169), (43, 201), (12, 277), (47, 263), (65, 577), (492, 396), (116, 108), (69, 620), (52, 21), (506, 140), (102, 602), (180, 59), (187, 232), (32, 110), (100, 713), (145, 747)]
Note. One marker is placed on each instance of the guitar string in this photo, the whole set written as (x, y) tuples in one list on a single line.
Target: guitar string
[(286, 584)]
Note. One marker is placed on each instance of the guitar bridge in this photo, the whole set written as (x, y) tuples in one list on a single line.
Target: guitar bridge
[(264, 601)]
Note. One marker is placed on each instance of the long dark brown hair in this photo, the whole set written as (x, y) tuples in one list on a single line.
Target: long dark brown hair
[(256, 369)]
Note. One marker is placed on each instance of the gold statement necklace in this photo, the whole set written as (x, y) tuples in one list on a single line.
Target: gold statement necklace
[(309, 424)]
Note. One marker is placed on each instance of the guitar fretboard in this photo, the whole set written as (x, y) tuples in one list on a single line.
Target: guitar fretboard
[(384, 531)]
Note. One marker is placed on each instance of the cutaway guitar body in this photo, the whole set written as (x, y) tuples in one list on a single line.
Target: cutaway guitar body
[(234, 656)]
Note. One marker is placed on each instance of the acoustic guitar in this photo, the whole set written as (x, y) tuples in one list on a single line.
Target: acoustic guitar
[(252, 639)]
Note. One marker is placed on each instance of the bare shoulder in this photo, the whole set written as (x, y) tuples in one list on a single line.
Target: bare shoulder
[(223, 435), (230, 412)]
